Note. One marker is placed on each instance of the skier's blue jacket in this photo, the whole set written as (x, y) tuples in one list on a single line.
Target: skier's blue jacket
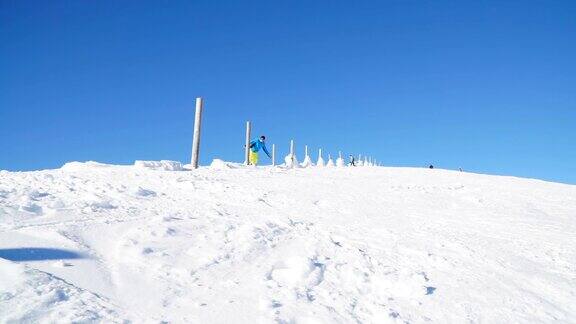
[(257, 144)]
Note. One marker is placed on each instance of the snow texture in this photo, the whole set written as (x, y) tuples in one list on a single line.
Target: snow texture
[(163, 165), (235, 244), (218, 164)]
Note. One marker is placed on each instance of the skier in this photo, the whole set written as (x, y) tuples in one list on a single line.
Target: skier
[(255, 146), (352, 161)]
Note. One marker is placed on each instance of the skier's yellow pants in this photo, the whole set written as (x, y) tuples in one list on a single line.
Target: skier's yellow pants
[(253, 158)]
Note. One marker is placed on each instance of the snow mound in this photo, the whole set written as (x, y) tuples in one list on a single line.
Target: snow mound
[(218, 164), (163, 165), (307, 162), (330, 162), (291, 161), (78, 166)]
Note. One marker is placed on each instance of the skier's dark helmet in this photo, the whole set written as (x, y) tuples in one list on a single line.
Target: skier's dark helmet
[(262, 138)]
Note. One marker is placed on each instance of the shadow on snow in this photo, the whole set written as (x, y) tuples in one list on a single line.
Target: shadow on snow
[(38, 254)]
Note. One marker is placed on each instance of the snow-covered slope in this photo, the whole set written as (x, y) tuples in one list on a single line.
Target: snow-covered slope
[(228, 244)]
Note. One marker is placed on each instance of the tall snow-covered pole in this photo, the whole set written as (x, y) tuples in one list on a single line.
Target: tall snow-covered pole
[(320, 162), (196, 136), (247, 146), (306, 150), (273, 154), (290, 159), (339, 160)]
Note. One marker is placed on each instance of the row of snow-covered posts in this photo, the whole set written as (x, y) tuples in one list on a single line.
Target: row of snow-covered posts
[(291, 161)]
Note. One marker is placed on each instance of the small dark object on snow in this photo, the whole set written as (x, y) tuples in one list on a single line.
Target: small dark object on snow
[(431, 166)]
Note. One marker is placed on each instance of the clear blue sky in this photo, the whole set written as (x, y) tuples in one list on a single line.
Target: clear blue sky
[(489, 86)]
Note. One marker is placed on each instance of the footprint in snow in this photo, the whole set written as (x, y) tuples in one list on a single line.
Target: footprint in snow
[(297, 271), (31, 208), (141, 192)]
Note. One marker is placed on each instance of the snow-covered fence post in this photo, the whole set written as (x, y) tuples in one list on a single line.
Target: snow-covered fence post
[(290, 159), (330, 162), (339, 160), (247, 146), (273, 154), (196, 135), (320, 162), (292, 152), (307, 162)]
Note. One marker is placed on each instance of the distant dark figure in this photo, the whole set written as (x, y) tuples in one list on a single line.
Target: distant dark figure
[(460, 169), (352, 161), (431, 166)]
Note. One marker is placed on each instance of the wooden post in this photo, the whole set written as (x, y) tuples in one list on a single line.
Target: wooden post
[(273, 154), (196, 136), (247, 146)]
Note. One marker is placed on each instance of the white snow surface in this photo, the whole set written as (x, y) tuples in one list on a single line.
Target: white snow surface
[(233, 244), (164, 165)]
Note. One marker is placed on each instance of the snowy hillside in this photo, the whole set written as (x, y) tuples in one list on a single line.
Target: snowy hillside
[(229, 244)]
